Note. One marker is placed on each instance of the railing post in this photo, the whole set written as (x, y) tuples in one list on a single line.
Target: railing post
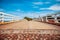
[(56, 21), (42, 19), (2, 20), (46, 19)]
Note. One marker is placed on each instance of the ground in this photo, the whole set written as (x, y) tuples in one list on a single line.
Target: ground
[(24, 24)]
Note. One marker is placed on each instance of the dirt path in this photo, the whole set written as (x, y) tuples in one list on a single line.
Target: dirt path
[(28, 25)]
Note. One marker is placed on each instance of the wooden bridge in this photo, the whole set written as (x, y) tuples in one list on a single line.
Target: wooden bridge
[(12, 28), (29, 30)]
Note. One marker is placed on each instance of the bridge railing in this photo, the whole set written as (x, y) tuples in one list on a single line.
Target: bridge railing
[(6, 18), (53, 18)]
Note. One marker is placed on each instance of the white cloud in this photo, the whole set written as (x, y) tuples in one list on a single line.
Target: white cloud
[(58, 0), (37, 14), (34, 6), (37, 3), (32, 14), (53, 7), (19, 10), (43, 8), (40, 3)]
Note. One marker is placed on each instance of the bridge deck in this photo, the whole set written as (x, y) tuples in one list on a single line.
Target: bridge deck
[(29, 25)]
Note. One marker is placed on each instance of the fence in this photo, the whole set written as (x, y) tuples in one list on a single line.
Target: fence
[(4, 18), (48, 18)]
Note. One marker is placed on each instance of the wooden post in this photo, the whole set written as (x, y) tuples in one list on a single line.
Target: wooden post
[(56, 21), (46, 19), (2, 20)]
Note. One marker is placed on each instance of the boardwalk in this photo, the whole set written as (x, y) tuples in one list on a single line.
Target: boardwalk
[(24, 24)]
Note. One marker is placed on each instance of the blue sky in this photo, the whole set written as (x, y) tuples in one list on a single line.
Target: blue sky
[(30, 8)]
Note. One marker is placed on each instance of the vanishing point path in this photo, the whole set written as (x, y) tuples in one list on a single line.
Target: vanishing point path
[(24, 24)]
